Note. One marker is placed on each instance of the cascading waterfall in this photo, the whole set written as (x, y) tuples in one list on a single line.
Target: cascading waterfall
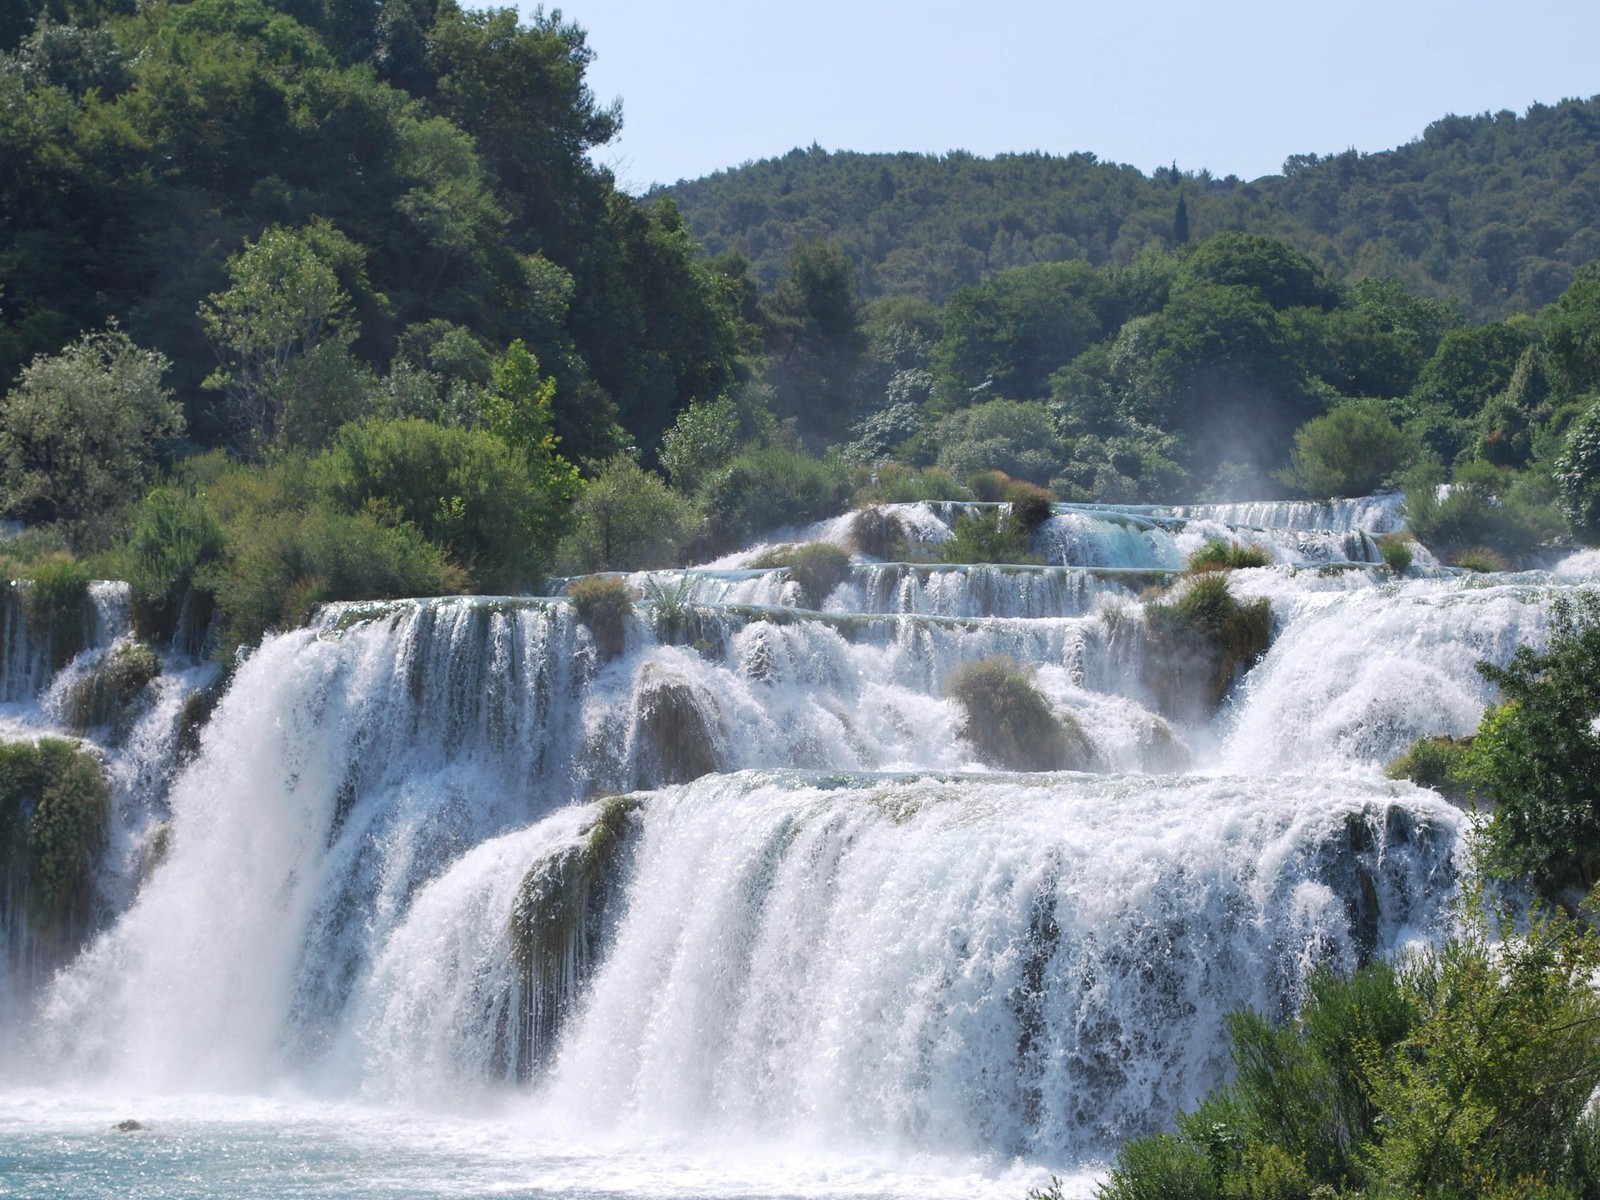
[(749, 878)]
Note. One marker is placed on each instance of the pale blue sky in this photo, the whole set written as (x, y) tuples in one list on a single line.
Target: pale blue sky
[(1235, 86)]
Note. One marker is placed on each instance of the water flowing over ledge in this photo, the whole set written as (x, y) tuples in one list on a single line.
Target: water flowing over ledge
[(744, 875)]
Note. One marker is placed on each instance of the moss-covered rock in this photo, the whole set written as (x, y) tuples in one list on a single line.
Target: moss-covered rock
[(1010, 722), (54, 805), (603, 604), (1198, 643), (556, 929), (111, 690), (56, 599), (673, 730)]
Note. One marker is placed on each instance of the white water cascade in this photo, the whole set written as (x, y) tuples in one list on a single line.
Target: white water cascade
[(748, 881)]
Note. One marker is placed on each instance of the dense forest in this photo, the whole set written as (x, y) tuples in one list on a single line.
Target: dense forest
[(304, 300), (1494, 212)]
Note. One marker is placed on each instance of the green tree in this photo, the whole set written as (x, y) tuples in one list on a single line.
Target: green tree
[(1537, 756), (1572, 332), (282, 332), (518, 413), (1352, 451), (815, 342), (1578, 475), (1001, 435), (627, 519), (79, 434)]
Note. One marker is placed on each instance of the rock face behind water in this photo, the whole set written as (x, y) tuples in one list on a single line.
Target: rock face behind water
[(673, 730)]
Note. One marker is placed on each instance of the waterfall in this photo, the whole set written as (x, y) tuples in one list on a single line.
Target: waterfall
[(750, 877)]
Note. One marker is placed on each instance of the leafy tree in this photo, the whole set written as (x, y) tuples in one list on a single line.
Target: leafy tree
[(465, 490), (80, 433), (1005, 336), (1578, 475), (627, 519), (518, 413), (1537, 755), (1275, 273), (1572, 332), (282, 333), (1352, 451), (815, 341), (708, 433), (1001, 435)]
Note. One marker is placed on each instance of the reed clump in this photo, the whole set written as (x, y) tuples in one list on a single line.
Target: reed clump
[(1199, 642)]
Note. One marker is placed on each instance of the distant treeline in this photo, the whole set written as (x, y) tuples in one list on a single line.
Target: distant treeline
[(1495, 212)]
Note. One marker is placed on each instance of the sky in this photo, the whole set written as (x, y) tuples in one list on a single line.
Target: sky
[(1233, 87)]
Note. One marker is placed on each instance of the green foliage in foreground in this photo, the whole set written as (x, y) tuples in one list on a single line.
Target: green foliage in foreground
[(54, 803), (1396, 551), (1537, 756), (816, 568), (1010, 722), (1461, 1072), (627, 519), (1352, 451)]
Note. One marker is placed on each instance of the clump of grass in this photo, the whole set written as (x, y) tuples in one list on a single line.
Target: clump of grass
[(1481, 559), (987, 536), (54, 804), (1204, 638), (603, 603), (1030, 503), (1010, 722), (1396, 551), (108, 692), (881, 534), (1220, 555), (989, 486), (57, 600), (1438, 763)]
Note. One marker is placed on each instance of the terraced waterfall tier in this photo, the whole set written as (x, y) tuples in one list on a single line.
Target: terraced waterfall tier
[(742, 870)]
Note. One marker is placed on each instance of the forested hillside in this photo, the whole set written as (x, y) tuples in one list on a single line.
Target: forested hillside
[(1493, 211), (304, 300)]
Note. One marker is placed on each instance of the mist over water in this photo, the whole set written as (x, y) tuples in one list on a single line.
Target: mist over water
[(817, 948)]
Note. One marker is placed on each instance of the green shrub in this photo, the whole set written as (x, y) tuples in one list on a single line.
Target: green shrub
[(1218, 555), (1438, 763), (279, 567), (880, 534), (627, 519), (1577, 475), (54, 805), (1481, 559), (816, 567), (1485, 507), (171, 536), (989, 486), (1352, 451), (1010, 722), (987, 536), (1396, 551), (1015, 437), (1465, 1071), (1203, 639), (897, 483), (1537, 757), (762, 490), (1030, 503), (603, 603), (465, 490)]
